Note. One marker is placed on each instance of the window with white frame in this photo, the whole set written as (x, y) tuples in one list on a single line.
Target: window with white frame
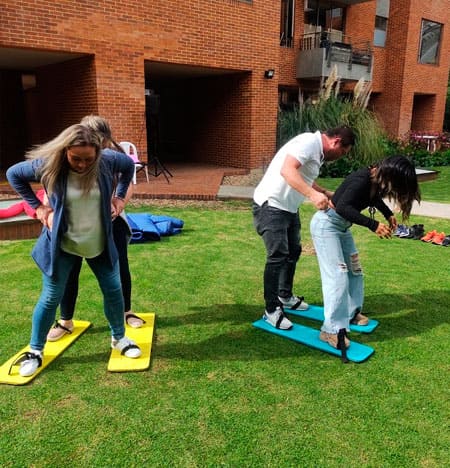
[(430, 41)]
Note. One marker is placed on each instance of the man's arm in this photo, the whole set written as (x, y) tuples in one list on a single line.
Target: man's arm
[(318, 188)]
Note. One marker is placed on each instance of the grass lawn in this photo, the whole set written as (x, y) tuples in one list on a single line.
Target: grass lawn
[(433, 189), (220, 392)]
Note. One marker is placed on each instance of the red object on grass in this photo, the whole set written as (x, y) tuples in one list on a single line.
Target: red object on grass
[(21, 207)]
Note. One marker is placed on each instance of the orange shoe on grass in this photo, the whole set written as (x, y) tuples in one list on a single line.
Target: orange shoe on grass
[(428, 237), (438, 238)]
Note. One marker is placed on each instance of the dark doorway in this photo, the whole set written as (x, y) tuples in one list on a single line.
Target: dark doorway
[(196, 114)]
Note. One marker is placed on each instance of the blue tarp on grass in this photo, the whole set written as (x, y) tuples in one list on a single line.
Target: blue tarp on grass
[(147, 227)]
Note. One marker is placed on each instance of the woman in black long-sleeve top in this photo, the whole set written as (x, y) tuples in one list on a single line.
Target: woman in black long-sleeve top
[(340, 268)]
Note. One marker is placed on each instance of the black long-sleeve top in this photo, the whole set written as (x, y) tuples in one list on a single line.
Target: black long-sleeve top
[(353, 196)]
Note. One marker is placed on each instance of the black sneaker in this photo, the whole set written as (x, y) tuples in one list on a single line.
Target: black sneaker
[(446, 241), (416, 232)]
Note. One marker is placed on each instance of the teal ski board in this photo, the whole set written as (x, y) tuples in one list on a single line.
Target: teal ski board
[(356, 352), (316, 313)]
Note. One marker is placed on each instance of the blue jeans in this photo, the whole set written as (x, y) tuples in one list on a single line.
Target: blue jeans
[(69, 299), (280, 231), (53, 290), (340, 269)]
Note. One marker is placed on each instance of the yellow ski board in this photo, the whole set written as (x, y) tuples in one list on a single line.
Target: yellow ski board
[(143, 337), (51, 351)]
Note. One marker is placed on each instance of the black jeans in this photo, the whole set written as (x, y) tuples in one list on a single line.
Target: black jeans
[(120, 234), (280, 231)]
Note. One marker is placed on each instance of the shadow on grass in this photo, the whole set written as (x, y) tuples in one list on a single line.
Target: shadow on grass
[(102, 356), (238, 339), (225, 332), (397, 310), (399, 316), (104, 329), (65, 361), (243, 345), (236, 313), (408, 314)]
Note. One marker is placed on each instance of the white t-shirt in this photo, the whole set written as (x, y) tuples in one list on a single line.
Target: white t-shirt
[(308, 150), (85, 236)]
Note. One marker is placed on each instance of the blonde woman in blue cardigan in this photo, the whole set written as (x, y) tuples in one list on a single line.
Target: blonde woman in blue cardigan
[(79, 183)]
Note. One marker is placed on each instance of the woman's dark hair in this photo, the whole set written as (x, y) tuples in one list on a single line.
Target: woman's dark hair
[(397, 180)]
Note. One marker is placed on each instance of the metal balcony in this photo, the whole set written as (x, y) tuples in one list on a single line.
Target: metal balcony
[(320, 52)]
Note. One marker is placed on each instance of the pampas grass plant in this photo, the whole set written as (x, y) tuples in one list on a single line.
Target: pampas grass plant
[(330, 110)]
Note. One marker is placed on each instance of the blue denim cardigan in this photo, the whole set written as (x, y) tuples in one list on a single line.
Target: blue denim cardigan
[(112, 165)]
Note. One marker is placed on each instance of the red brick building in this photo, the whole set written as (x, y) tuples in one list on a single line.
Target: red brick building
[(190, 77)]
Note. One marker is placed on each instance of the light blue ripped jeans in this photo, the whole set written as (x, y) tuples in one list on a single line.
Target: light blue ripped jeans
[(340, 269)]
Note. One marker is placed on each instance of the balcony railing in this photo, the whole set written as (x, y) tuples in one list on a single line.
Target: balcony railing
[(320, 51)]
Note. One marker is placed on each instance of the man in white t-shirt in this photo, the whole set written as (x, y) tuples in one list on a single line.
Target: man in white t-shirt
[(288, 181)]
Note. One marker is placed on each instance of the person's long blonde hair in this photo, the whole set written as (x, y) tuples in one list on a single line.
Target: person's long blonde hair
[(54, 155), (103, 130)]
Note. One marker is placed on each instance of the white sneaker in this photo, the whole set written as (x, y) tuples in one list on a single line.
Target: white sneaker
[(32, 360), (294, 303), (126, 347), (277, 319)]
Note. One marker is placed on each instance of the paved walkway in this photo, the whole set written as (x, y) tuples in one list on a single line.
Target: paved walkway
[(435, 210)]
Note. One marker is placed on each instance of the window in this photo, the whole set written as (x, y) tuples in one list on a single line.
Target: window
[(430, 39), (287, 23), (330, 21), (334, 19), (379, 37), (381, 22)]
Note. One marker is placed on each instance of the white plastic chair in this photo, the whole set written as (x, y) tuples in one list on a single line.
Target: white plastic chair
[(131, 150)]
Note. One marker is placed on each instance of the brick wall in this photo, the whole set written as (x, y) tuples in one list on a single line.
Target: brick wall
[(223, 114), (398, 77), (67, 92), (118, 37), (113, 41), (406, 94)]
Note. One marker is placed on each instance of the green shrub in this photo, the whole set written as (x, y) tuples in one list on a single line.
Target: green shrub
[(340, 168), (372, 143), (420, 156), (333, 112)]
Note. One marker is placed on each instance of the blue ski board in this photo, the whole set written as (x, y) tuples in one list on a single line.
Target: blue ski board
[(316, 313), (356, 352)]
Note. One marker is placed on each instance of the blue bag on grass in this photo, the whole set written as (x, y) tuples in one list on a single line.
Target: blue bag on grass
[(146, 227)]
